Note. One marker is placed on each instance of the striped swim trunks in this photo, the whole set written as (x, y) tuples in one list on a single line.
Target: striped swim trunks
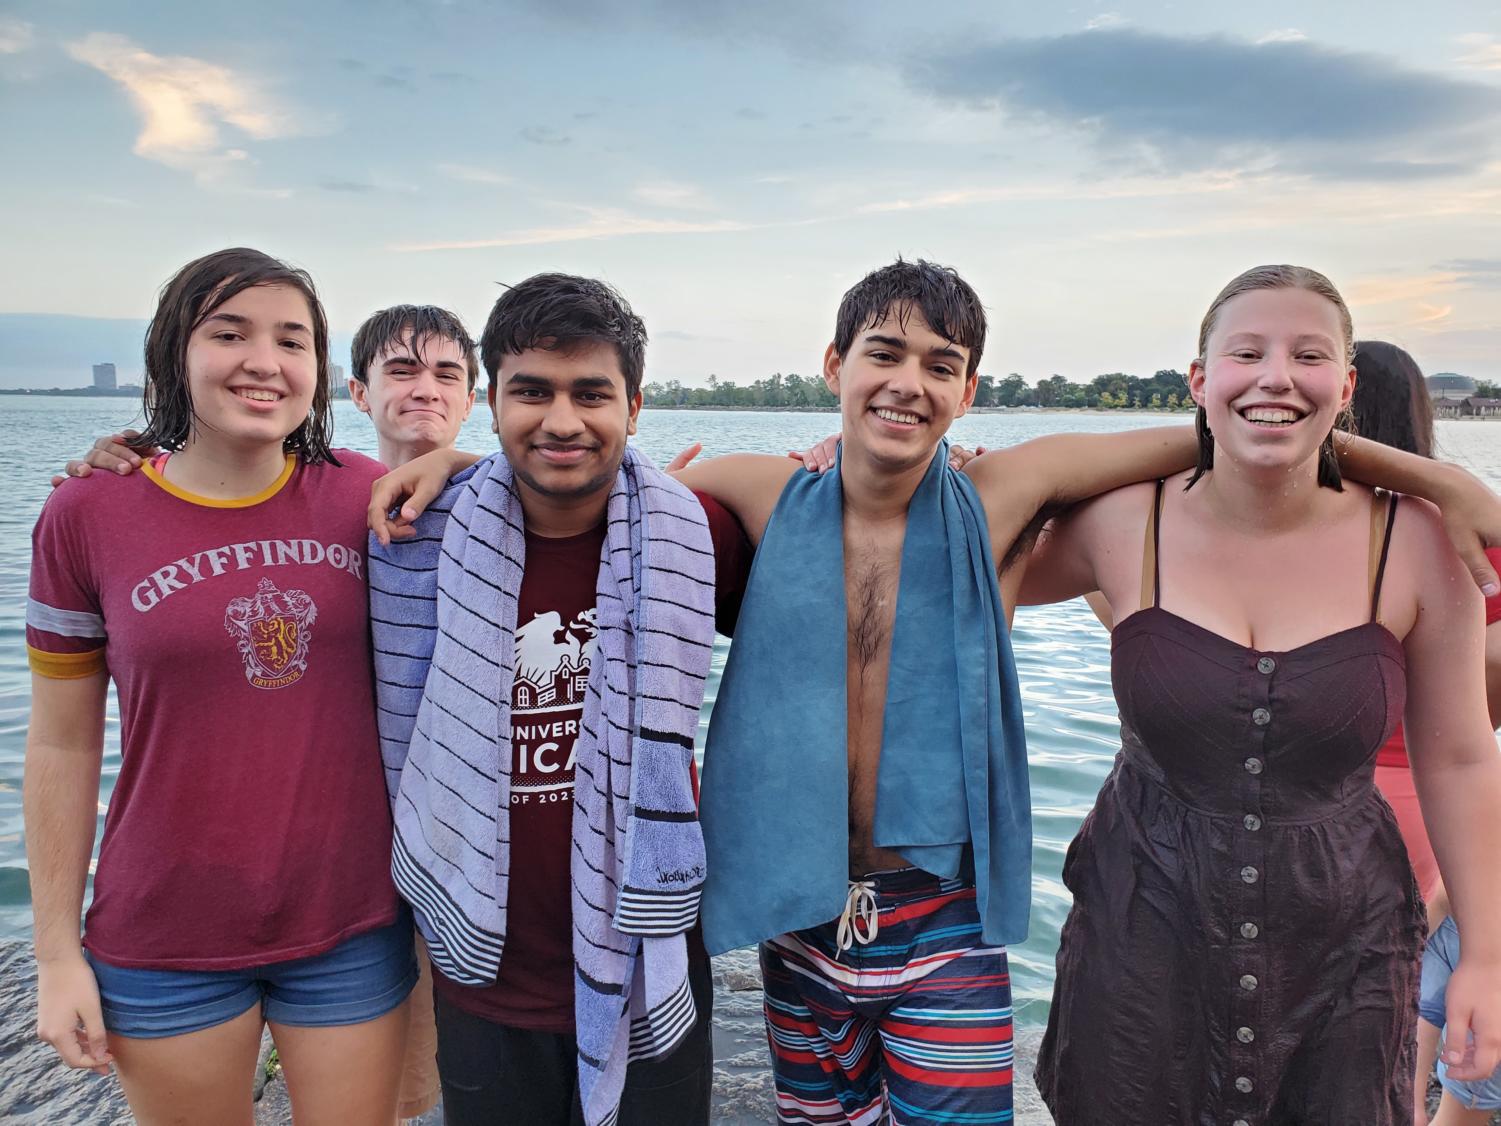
[(912, 1027)]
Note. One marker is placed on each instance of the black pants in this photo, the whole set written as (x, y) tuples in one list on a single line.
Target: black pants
[(494, 1075)]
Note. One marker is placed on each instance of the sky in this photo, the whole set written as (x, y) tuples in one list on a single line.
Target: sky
[(1097, 173)]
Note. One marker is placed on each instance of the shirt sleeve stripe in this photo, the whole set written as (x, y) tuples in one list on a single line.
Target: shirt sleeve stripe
[(65, 666), (64, 623)]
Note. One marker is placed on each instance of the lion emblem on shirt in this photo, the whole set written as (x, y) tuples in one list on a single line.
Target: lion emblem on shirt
[(272, 629)]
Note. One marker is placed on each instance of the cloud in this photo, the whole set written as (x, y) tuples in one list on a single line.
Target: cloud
[(667, 193), (355, 187), (1117, 188), (1164, 101), (602, 223), (472, 175), (1283, 35), (1479, 273), (803, 30), (184, 104), (16, 36), (691, 337), (750, 113), (544, 135), (1482, 51), (1106, 19)]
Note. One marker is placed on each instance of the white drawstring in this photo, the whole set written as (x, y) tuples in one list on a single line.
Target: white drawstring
[(859, 908)]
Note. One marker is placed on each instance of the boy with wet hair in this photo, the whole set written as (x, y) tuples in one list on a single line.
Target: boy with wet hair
[(413, 371)]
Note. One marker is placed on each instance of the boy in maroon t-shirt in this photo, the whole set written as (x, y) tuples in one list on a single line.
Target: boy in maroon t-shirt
[(565, 358)]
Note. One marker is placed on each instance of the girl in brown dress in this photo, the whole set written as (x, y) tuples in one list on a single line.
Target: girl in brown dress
[(1243, 944)]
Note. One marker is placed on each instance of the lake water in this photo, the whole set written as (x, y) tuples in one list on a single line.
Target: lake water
[(1062, 653)]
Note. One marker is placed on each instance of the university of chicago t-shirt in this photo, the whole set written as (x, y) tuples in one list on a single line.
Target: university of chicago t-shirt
[(249, 823), (555, 639)]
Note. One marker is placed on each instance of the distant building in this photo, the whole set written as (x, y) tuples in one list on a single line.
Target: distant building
[(338, 385), (1476, 407), (104, 377), (1450, 385), (1471, 406)]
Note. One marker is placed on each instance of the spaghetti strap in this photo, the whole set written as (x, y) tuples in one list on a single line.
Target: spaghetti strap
[(1150, 542), (1381, 544)]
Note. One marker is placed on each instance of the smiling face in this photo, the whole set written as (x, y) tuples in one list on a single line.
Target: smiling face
[(1274, 376), (251, 367), (563, 418), (900, 386), (416, 393)]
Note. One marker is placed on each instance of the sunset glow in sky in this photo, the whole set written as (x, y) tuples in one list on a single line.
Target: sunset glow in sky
[(1097, 174)]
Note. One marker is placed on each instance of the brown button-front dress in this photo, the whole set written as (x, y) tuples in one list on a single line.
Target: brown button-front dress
[(1243, 946)]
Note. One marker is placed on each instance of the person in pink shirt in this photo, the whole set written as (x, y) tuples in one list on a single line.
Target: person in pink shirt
[(243, 878), (1391, 405)]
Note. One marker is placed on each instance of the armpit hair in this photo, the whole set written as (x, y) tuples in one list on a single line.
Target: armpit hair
[(1027, 539)]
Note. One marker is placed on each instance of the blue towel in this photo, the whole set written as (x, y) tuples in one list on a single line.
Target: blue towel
[(952, 781), (445, 663)]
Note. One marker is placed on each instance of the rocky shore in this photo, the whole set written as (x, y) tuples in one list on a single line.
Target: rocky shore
[(36, 1091)]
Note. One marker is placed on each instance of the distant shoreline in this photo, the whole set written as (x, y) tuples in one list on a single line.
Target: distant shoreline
[(972, 410), (129, 391), (126, 391), (134, 392)]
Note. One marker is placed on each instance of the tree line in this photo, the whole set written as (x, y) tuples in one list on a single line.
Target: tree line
[(1165, 390)]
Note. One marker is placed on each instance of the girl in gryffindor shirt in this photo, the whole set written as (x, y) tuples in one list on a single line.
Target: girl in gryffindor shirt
[(243, 877)]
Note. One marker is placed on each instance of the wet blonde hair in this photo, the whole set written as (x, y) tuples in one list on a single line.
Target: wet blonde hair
[(1277, 277)]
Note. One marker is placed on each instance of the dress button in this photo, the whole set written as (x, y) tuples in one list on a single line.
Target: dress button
[(1253, 765), (1251, 822), (1249, 874), (1244, 1035), (1261, 717), (1266, 666), (1249, 930), (1243, 1084), (1249, 983)]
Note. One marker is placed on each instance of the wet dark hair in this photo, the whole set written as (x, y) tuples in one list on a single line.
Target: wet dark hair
[(417, 322), (560, 312), (188, 300), (1277, 277), (945, 300), (1391, 403)]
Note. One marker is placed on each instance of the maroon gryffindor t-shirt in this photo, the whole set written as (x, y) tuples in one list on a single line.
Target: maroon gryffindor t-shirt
[(555, 633), (249, 823)]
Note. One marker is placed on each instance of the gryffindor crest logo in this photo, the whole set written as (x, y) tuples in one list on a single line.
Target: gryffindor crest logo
[(272, 629)]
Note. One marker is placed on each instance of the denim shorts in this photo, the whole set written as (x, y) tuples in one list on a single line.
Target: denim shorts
[(1439, 959), (360, 979)]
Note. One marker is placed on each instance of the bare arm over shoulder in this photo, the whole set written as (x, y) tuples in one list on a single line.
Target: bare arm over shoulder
[(1471, 512), (1018, 482), (749, 485), (412, 486)]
